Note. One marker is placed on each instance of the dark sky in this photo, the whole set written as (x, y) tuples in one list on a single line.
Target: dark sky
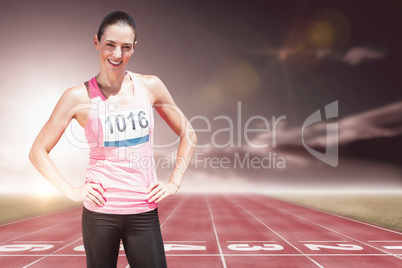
[(199, 35), (252, 25), (208, 32), (193, 38)]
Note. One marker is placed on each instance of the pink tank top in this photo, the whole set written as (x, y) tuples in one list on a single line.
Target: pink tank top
[(121, 158)]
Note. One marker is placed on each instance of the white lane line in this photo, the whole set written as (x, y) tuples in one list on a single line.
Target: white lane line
[(392, 247), (31, 218), (319, 265), (321, 241), (251, 241), (389, 241), (52, 253), (184, 241), (339, 216), (357, 240), (38, 242), (216, 235), (172, 212), (39, 230)]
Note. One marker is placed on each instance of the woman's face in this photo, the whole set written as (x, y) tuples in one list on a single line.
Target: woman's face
[(115, 47)]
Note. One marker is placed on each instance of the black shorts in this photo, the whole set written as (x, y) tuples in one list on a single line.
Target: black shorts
[(140, 233)]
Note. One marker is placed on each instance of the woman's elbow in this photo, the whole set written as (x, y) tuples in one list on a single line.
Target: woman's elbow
[(192, 138), (32, 155), (195, 139)]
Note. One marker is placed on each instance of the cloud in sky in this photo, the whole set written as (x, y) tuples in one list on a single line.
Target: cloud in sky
[(382, 122), (356, 55)]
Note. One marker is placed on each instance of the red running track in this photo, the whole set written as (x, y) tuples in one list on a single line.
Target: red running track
[(232, 230)]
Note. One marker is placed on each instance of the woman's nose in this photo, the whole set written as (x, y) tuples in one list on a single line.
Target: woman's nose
[(117, 52)]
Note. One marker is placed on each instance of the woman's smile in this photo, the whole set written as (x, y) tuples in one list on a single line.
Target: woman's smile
[(115, 63)]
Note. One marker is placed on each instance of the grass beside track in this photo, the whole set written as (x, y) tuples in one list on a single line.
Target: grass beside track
[(382, 209), (17, 207)]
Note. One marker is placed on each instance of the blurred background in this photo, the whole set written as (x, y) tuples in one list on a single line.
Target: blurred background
[(224, 63)]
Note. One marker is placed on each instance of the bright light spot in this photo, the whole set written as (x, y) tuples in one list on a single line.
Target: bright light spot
[(214, 95), (330, 29), (232, 80), (46, 190), (321, 34)]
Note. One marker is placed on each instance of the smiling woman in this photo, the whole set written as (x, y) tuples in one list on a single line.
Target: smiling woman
[(117, 46), (115, 108)]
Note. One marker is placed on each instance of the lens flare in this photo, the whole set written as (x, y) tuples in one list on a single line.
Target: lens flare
[(232, 80)]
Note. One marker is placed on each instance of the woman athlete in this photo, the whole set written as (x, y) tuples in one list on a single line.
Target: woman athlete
[(121, 193)]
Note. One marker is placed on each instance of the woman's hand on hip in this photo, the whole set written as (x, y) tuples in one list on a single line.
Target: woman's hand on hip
[(159, 190), (91, 193)]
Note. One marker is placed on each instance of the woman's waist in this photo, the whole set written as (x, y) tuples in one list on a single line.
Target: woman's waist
[(121, 204), (120, 154)]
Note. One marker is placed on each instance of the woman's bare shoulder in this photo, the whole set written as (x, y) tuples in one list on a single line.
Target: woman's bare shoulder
[(148, 79), (79, 92), (76, 94), (72, 101), (154, 86)]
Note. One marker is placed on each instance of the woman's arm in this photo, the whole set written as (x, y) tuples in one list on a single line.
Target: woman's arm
[(65, 110), (168, 110)]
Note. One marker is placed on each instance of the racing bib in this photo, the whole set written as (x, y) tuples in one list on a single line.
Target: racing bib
[(125, 128)]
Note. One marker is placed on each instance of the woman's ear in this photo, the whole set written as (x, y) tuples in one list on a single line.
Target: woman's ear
[(96, 42), (135, 44)]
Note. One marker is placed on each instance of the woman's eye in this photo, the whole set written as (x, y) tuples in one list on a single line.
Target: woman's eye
[(109, 45)]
